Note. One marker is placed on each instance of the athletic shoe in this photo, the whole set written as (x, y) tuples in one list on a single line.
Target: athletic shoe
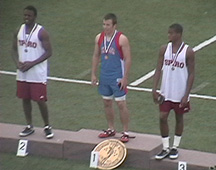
[(173, 153), (107, 133), (27, 131), (163, 154), (48, 132), (124, 138)]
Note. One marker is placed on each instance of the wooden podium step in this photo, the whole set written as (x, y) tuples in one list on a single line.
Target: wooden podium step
[(77, 145)]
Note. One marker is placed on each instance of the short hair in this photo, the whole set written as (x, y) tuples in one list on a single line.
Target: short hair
[(31, 8), (177, 28), (112, 17)]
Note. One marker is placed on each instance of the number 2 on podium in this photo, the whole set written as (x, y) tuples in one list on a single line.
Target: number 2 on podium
[(182, 166)]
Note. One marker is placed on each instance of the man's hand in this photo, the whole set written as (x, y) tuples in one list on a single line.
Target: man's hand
[(123, 83), (155, 96), (94, 80), (25, 66), (184, 102)]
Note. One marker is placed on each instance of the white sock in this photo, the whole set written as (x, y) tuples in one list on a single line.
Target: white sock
[(126, 133), (176, 142), (110, 129), (165, 142)]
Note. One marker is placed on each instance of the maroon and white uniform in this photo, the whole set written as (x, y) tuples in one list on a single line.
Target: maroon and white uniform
[(175, 74), (30, 49)]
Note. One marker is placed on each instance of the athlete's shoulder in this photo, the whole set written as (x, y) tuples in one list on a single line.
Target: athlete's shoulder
[(122, 36), (189, 48), (21, 26), (98, 36), (18, 29), (42, 33), (190, 52), (123, 39), (163, 48)]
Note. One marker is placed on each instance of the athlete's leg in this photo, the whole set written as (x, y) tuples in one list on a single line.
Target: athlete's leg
[(178, 135), (39, 95), (44, 111), (109, 112), (179, 115), (164, 127), (27, 107), (179, 124), (23, 92), (124, 114)]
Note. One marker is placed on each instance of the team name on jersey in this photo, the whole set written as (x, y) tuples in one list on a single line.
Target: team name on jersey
[(29, 44), (176, 64), (111, 50)]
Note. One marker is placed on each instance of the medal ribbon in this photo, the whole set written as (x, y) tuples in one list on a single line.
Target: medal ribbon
[(111, 40), (29, 37), (177, 53)]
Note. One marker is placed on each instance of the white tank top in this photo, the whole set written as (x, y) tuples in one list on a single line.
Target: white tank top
[(174, 77), (30, 49)]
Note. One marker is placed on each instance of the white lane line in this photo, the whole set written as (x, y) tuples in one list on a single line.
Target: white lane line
[(143, 78), (151, 73), (69, 80), (83, 74), (205, 43), (198, 88), (8, 73), (129, 87), (52, 78)]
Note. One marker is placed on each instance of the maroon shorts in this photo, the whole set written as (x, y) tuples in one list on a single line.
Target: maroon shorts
[(33, 91), (167, 106)]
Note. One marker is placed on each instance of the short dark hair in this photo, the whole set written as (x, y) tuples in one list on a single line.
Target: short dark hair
[(112, 17), (177, 28), (31, 8)]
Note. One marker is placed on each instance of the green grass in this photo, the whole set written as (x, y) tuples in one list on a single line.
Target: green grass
[(73, 26), (10, 162)]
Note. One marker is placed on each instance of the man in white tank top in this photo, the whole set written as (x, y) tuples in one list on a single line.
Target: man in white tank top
[(31, 49), (176, 67)]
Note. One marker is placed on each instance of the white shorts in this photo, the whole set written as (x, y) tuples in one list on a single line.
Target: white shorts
[(122, 98)]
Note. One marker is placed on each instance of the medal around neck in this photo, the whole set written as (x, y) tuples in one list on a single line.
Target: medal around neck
[(174, 58), (110, 42), (112, 154), (27, 37)]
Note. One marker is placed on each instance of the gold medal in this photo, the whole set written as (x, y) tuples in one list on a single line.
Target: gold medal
[(106, 57), (112, 153)]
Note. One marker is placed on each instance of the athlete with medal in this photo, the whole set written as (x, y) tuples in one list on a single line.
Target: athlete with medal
[(176, 67), (30, 51), (113, 50)]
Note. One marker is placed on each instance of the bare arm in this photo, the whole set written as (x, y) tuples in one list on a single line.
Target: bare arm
[(14, 51), (44, 38), (157, 74), (95, 61), (124, 43), (190, 61)]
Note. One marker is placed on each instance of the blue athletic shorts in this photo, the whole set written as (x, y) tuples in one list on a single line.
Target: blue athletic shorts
[(111, 90)]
